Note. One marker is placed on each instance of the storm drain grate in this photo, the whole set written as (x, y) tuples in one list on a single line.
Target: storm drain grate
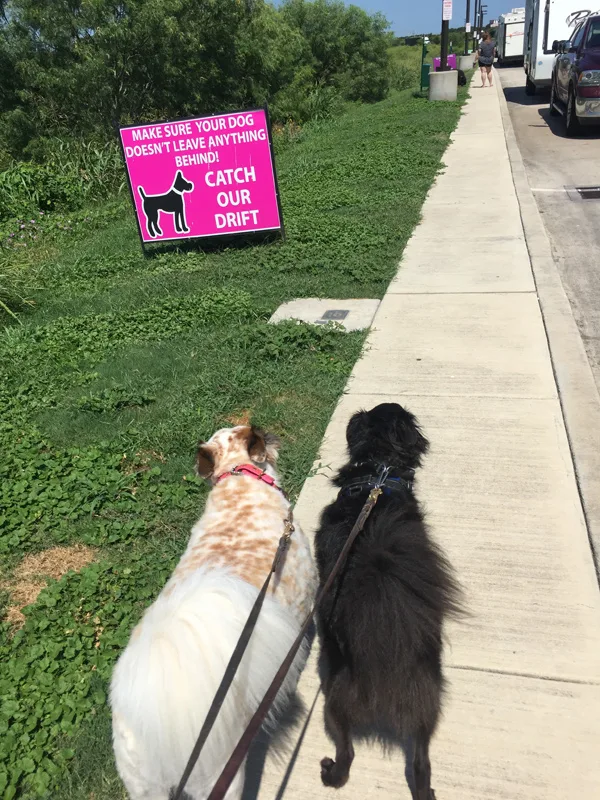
[(588, 192), (580, 193), (335, 313)]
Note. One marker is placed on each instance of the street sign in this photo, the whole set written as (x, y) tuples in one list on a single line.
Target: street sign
[(468, 27), (203, 177), (446, 10)]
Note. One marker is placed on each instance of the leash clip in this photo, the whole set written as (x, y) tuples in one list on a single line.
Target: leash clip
[(382, 477), (374, 494), (284, 542), (288, 529)]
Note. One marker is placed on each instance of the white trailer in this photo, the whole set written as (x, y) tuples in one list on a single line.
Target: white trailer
[(510, 35), (545, 22)]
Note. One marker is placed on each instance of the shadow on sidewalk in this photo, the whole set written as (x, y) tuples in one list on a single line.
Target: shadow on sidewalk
[(279, 745)]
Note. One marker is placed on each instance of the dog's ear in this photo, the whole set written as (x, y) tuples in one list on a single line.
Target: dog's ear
[(262, 446), (357, 430), (408, 437), (205, 461), (272, 443)]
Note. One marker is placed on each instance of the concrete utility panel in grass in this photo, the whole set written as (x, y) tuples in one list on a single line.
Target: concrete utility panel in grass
[(353, 315)]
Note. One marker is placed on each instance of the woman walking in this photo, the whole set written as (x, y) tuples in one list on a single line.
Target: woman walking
[(485, 56)]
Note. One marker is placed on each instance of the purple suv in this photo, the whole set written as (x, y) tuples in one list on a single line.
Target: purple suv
[(575, 91)]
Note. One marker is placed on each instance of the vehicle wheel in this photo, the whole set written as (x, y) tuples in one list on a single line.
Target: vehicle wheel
[(529, 87), (554, 112), (572, 123)]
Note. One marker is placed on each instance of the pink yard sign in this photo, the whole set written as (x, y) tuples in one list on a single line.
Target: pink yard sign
[(210, 176)]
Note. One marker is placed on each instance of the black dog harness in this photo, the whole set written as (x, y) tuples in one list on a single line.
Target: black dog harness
[(383, 479)]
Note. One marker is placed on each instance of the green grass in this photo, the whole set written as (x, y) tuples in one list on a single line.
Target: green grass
[(406, 64), (125, 362)]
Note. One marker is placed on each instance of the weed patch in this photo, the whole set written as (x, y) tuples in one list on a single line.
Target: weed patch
[(89, 337), (116, 398), (64, 653), (44, 490)]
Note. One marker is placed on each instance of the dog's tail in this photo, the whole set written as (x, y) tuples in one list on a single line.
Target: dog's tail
[(165, 680), (142, 192)]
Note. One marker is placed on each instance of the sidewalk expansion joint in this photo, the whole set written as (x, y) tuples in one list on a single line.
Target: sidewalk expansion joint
[(454, 294), (528, 675), (408, 393)]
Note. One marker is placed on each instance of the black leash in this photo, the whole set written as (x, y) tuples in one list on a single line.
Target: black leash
[(239, 754), (234, 661)]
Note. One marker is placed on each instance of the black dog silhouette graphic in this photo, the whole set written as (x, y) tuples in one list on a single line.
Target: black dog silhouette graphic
[(172, 202)]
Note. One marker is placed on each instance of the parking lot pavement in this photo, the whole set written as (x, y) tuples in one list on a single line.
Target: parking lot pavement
[(554, 163)]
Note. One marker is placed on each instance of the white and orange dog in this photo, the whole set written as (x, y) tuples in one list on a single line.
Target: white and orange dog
[(166, 678)]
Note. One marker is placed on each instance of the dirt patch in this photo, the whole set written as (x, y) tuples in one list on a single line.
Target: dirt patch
[(241, 418), (32, 574), (22, 593)]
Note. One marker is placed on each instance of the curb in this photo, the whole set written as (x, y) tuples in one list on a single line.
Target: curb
[(577, 391)]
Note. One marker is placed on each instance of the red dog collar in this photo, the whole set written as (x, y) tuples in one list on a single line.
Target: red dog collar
[(253, 472)]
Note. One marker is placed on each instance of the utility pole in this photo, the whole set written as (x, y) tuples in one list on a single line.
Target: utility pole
[(446, 17), (424, 74), (475, 20), (467, 26)]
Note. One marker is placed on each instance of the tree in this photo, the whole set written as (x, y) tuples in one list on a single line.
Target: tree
[(348, 47), (83, 67)]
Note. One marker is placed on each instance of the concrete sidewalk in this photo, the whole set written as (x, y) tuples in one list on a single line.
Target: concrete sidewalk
[(459, 339)]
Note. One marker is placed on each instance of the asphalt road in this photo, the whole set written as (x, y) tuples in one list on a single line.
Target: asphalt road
[(554, 162)]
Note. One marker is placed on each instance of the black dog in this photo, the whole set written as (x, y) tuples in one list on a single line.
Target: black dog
[(380, 626), (171, 203)]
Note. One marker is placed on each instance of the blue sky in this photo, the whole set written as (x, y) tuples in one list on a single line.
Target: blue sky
[(425, 16)]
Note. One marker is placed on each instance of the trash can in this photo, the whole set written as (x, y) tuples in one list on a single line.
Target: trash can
[(425, 75)]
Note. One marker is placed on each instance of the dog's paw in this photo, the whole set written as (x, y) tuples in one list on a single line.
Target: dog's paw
[(331, 775)]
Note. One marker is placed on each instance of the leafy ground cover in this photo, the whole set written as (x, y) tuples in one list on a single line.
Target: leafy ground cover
[(123, 363)]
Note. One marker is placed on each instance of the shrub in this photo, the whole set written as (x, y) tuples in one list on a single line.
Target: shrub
[(403, 77), (63, 175), (302, 103)]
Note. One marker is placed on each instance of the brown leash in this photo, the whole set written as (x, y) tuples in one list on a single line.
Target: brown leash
[(234, 661), (239, 754)]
